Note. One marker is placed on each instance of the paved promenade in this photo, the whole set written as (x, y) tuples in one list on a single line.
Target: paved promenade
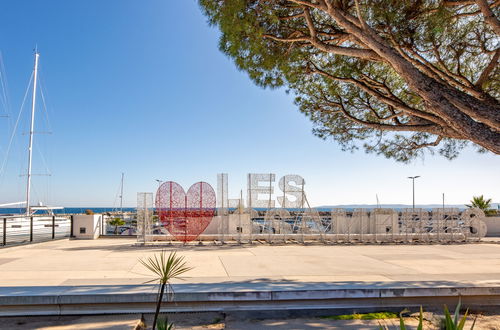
[(116, 262)]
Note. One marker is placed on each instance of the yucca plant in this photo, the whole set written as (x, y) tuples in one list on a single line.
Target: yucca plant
[(166, 268), (449, 322), (453, 323), (163, 324), (420, 325), (402, 325)]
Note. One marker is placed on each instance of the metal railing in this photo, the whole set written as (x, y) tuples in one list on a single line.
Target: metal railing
[(17, 230), (128, 227)]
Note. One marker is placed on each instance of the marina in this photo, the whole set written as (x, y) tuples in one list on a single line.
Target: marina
[(270, 165)]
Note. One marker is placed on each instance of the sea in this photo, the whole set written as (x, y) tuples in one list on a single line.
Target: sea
[(324, 208), (69, 210)]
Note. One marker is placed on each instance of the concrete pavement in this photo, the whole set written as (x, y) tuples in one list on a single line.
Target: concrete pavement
[(105, 276), (116, 261)]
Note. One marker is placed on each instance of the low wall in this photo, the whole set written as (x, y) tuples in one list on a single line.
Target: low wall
[(493, 225), (87, 226)]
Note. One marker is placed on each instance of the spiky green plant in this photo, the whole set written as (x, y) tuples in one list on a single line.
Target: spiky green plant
[(449, 322), (163, 324), (402, 325), (165, 268), (481, 203), (454, 323)]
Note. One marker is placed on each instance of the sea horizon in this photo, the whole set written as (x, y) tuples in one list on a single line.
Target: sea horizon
[(322, 208)]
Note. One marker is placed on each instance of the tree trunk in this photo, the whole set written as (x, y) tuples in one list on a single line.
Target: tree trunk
[(158, 305), (436, 96)]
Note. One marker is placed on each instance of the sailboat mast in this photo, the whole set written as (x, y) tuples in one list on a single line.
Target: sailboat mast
[(121, 196), (32, 126)]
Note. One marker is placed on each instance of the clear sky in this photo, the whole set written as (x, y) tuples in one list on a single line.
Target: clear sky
[(140, 87)]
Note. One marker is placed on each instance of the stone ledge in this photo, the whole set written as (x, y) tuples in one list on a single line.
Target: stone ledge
[(213, 297)]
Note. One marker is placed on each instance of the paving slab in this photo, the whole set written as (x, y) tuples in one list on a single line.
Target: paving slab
[(108, 271), (116, 261)]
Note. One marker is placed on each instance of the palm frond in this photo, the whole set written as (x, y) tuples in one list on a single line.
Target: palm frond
[(166, 267)]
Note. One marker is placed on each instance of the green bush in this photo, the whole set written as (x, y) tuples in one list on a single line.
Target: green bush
[(448, 323)]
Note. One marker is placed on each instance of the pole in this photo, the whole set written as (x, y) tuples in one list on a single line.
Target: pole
[(271, 224), (240, 207), (159, 183), (53, 226), (146, 218), (32, 126), (413, 187), (31, 229), (71, 227), (4, 231), (413, 183), (121, 197)]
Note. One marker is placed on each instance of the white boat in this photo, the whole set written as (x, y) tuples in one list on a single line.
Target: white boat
[(21, 228), (30, 210)]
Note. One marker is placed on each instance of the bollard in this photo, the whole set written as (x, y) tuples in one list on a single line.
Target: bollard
[(31, 229), (53, 226), (4, 231)]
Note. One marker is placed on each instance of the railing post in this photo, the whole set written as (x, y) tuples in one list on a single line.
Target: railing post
[(53, 226), (4, 231), (71, 226), (31, 229)]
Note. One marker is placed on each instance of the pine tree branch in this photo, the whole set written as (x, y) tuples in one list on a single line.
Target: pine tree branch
[(489, 17), (391, 100), (489, 68), (428, 128)]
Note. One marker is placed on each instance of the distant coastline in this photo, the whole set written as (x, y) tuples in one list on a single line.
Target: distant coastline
[(323, 208), (400, 206)]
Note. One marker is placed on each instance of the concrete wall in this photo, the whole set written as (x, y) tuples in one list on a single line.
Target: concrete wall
[(493, 225), (384, 223), (87, 226), (229, 225)]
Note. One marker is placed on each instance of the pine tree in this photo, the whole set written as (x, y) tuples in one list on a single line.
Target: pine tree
[(393, 77)]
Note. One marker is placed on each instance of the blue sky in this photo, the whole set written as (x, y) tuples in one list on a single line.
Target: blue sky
[(140, 87)]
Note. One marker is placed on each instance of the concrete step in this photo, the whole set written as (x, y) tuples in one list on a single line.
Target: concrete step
[(249, 296)]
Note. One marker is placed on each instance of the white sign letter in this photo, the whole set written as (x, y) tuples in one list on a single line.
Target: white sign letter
[(288, 189), (254, 189)]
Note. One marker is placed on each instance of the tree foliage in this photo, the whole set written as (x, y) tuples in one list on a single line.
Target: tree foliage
[(393, 77), (117, 222), (483, 204)]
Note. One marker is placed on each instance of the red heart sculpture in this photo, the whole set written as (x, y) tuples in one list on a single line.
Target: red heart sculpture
[(185, 216)]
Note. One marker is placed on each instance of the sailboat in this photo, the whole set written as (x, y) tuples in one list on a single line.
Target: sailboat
[(18, 229), (29, 209)]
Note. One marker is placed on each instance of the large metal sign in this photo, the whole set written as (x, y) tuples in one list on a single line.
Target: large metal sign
[(198, 214), (185, 215)]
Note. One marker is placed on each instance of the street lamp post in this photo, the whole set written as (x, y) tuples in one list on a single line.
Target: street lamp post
[(413, 184), (159, 182)]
